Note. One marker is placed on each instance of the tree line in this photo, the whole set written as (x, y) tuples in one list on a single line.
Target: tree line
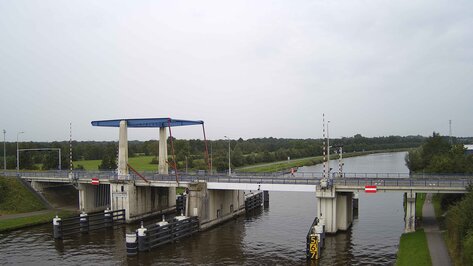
[(192, 152), (440, 154)]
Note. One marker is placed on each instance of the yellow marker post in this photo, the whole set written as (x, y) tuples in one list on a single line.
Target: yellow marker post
[(314, 247)]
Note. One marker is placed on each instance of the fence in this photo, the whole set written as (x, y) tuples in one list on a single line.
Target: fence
[(87, 222), (253, 201), (155, 235)]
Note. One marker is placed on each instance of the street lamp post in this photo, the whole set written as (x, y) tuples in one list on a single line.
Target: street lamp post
[(229, 160), (18, 154), (328, 150), (4, 155), (211, 159)]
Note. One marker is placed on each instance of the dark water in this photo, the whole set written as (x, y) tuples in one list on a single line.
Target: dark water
[(272, 236)]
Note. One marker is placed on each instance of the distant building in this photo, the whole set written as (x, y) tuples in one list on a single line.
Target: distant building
[(469, 149)]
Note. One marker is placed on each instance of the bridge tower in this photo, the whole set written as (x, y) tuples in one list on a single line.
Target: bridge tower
[(138, 201)]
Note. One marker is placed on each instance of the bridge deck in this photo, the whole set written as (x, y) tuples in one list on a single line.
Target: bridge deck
[(305, 182)]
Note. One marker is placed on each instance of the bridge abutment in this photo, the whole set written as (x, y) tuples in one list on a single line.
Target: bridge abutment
[(335, 209), (214, 206)]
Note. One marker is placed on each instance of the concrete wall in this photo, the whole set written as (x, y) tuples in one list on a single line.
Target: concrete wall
[(140, 202), (214, 206), (410, 215)]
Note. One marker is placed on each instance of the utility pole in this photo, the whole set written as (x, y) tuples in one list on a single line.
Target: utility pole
[(4, 155), (328, 150), (450, 131), (229, 160), (211, 159), (18, 154)]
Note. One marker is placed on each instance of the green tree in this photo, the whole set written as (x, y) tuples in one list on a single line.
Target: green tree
[(109, 160)]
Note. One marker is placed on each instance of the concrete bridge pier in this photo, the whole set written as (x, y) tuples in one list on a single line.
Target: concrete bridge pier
[(335, 208), (410, 217), (213, 206)]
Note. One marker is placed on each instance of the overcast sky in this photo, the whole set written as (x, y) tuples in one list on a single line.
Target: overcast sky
[(247, 68)]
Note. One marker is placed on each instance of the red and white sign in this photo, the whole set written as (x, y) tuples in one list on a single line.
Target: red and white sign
[(95, 181), (370, 189)]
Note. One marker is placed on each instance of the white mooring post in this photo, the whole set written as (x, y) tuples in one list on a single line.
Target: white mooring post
[(141, 232), (57, 230), (108, 218), (84, 222), (131, 244)]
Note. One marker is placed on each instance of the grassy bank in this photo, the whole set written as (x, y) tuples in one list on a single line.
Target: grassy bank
[(413, 249), (16, 223), (15, 198)]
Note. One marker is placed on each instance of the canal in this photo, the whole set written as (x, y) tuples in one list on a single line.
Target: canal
[(273, 235)]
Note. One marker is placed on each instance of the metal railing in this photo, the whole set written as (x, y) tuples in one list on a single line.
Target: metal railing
[(300, 178)]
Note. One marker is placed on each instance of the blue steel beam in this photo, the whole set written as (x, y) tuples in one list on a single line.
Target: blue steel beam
[(147, 122)]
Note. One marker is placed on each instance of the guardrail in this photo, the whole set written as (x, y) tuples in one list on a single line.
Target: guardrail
[(380, 179)]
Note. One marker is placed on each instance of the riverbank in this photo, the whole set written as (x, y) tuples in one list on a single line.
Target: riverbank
[(307, 161), (23, 220), (427, 245), (413, 247), (20, 208)]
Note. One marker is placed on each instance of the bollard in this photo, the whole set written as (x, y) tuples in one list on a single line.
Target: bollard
[(57, 232), (108, 218), (131, 244), (163, 222), (141, 232), (84, 222)]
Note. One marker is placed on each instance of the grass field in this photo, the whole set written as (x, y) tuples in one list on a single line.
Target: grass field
[(15, 198), (140, 163), (413, 250), (16, 223)]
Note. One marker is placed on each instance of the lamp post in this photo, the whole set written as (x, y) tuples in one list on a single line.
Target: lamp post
[(4, 155), (229, 160), (18, 154), (211, 159), (328, 150)]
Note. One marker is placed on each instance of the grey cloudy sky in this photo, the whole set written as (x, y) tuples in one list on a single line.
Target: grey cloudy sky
[(247, 68)]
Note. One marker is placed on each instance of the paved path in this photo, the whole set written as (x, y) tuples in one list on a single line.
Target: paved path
[(21, 215), (437, 248)]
